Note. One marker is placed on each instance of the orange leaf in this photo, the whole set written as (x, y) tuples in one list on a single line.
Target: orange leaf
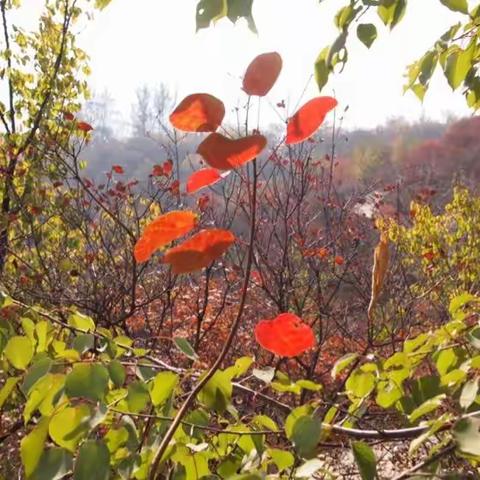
[(84, 126), (202, 178), (223, 153), (199, 112), (117, 169), (144, 249), (286, 335), (308, 119), (199, 251), (339, 260), (161, 231), (379, 271), (262, 74)]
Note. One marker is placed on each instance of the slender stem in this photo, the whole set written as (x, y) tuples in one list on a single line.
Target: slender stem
[(233, 331)]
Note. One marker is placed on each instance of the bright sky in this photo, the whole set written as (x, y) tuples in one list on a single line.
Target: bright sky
[(153, 41)]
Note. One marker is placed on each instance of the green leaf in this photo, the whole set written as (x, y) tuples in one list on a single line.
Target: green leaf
[(343, 363), (84, 342), (184, 346), (44, 395), (7, 389), (197, 417), (116, 438), (89, 381), (117, 373), (359, 384), (266, 422), (321, 69), (392, 11), (101, 4), (306, 435), (37, 370), (467, 434), (32, 445), (241, 9), (294, 415), (217, 393), (456, 5), (54, 464), (162, 387), (309, 468), (457, 66), (93, 462), (426, 407), (240, 367), (446, 360), (283, 459), (81, 322), (69, 426), (469, 393), (458, 302), (196, 464), (137, 397), (209, 11), (367, 33), (365, 459), (19, 352)]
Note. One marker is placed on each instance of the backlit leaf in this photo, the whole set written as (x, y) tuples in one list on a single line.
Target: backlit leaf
[(286, 335), (7, 389), (456, 5), (162, 231), (84, 127), (19, 352), (69, 426), (199, 251), (262, 73), (32, 445), (202, 178), (308, 119), (162, 387), (224, 153), (199, 112)]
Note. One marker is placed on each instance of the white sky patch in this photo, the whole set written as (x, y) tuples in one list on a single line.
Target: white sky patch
[(154, 41)]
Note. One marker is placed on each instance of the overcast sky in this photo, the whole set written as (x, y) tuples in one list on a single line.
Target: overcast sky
[(153, 41)]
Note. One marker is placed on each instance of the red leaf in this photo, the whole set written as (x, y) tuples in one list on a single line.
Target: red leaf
[(157, 171), (262, 74), (202, 178), (161, 231), (339, 260), (168, 167), (118, 169), (84, 126), (175, 187), (285, 335), (308, 119), (199, 112), (199, 251), (223, 153), (68, 116)]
